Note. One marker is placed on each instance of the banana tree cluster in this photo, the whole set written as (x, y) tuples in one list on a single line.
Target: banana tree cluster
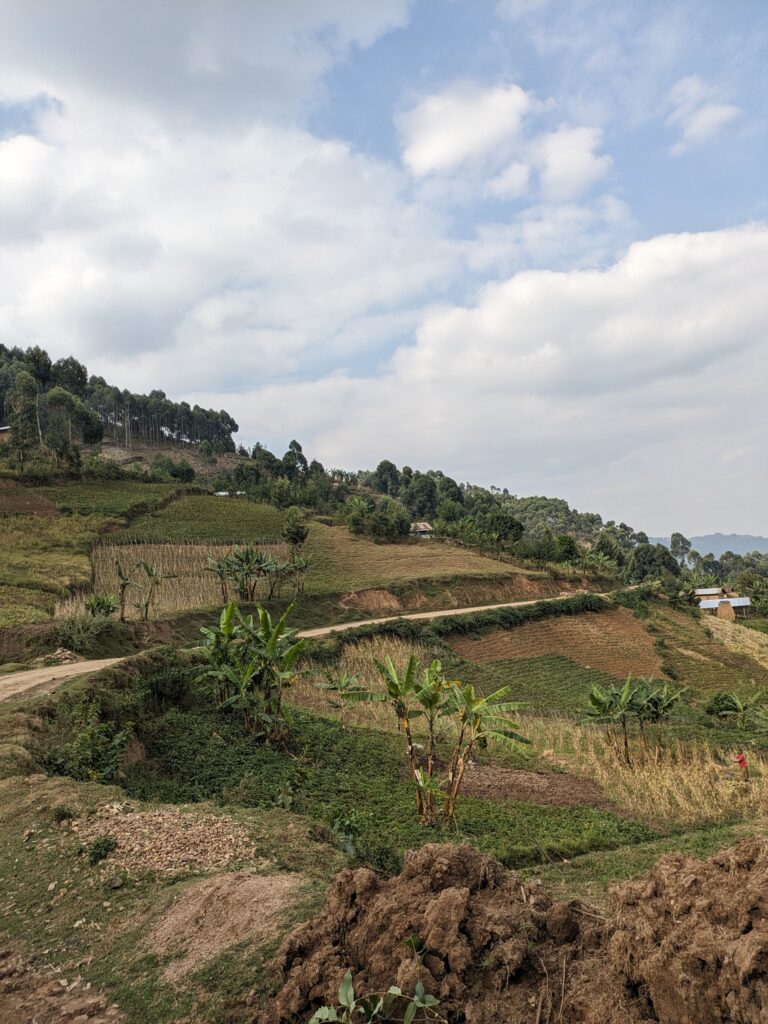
[(249, 661), (245, 568), (643, 700)]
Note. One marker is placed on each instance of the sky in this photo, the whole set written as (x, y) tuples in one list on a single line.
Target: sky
[(521, 241)]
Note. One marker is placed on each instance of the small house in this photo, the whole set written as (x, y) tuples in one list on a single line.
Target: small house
[(422, 531), (727, 607)]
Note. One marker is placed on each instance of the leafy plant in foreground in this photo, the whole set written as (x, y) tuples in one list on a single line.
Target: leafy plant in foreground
[(250, 662), (393, 1006)]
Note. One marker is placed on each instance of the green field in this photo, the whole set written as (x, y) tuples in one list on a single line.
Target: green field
[(206, 518), (549, 683), (113, 499)]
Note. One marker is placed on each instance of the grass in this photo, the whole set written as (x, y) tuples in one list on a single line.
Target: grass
[(589, 876), (113, 499), (686, 784), (42, 559), (548, 683), (698, 660), (206, 519), (343, 562), (734, 637), (48, 887)]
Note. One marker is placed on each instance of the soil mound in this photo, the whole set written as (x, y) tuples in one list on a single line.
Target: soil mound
[(686, 944), (209, 917), (166, 840)]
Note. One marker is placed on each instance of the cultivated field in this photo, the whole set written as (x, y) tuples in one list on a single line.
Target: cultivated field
[(111, 499), (342, 562), (743, 641), (204, 517), (186, 582), (614, 642)]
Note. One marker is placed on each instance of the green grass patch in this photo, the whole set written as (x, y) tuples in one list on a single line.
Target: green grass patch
[(206, 518), (353, 780), (113, 499), (548, 683), (589, 876)]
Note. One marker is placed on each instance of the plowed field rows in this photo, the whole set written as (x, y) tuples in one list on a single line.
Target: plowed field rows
[(16, 499), (614, 642)]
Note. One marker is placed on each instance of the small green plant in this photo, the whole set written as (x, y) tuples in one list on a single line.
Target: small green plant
[(393, 1007), (101, 605), (100, 849), (62, 813)]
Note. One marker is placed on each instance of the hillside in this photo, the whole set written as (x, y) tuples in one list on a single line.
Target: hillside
[(156, 811)]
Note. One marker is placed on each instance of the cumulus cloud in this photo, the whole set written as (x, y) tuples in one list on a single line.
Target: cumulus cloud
[(698, 113), (461, 123), (621, 374), (568, 162)]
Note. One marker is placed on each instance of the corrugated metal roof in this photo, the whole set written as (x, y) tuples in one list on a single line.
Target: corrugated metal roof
[(734, 602), (417, 527), (701, 591)]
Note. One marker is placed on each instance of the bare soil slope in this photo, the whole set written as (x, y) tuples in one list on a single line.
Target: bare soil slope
[(685, 944), (613, 641)]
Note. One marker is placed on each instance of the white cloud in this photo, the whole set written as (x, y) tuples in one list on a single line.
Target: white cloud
[(192, 61), (698, 113), (568, 162), (514, 9), (583, 383), (512, 182), (463, 122)]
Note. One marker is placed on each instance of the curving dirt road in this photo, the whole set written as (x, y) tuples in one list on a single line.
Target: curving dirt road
[(36, 681), (42, 680)]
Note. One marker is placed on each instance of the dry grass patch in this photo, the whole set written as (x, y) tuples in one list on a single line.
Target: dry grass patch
[(683, 784), (342, 562), (740, 639), (15, 499), (612, 641), (357, 659)]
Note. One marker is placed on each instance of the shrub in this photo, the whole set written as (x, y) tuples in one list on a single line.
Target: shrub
[(62, 813), (100, 849), (94, 754), (80, 633), (101, 605)]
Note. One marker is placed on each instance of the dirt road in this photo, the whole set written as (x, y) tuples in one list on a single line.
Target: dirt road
[(35, 681), (43, 680)]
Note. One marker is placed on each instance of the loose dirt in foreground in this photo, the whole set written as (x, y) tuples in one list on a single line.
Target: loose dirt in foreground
[(559, 790), (209, 917), (685, 944), (166, 841), (29, 996), (613, 641)]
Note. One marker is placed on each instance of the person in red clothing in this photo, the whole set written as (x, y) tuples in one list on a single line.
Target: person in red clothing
[(741, 760)]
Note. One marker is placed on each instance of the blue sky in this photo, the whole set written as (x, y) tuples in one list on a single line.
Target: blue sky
[(524, 241)]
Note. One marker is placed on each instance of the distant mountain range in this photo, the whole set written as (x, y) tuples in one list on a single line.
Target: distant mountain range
[(717, 543)]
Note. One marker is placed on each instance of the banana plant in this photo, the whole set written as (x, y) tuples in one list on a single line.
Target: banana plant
[(475, 717)]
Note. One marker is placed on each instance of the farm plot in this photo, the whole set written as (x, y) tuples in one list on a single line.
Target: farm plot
[(342, 562), (16, 499), (613, 642), (186, 582), (110, 498), (548, 683), (206, 518)]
